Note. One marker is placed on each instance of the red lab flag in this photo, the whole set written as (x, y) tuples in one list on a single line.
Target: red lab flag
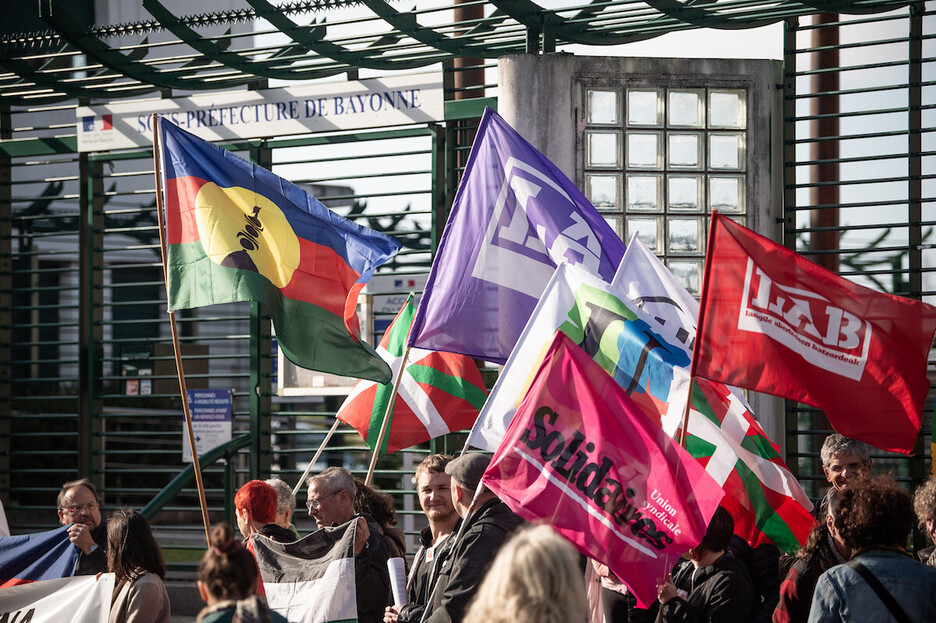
[(774, 322)]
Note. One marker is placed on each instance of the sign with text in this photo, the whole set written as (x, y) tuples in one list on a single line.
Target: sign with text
[(234, 115), (211, 420)]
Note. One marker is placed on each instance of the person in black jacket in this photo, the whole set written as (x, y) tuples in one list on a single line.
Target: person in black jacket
[(434, 488), (712, 585), (488, 525), (79, 506)]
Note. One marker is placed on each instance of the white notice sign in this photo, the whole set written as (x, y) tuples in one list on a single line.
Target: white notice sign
[(211, 420)]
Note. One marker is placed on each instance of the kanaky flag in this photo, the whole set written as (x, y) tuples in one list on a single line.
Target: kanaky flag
[(772, 321), (237, 232), (765, 499), (515, 217), (29, 558), (583, 456), (439, 393)]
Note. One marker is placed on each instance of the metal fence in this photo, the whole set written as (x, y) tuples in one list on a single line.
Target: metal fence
[(859, 168)]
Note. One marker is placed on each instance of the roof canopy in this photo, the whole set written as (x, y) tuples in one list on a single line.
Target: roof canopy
[(311, 39)]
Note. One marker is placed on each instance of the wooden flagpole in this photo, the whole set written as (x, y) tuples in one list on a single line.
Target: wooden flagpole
[(315, 458), (196, 466), (386, 419)]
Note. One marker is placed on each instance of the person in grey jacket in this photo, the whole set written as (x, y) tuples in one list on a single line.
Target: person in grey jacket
[(488, 525), (875, 518)]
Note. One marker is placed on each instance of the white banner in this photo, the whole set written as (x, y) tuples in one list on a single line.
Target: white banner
[(81, 599), (233, 115)]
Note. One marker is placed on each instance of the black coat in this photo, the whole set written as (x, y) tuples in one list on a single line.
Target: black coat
[(721, 592), (422, 577), (468, 560), (96, 561)]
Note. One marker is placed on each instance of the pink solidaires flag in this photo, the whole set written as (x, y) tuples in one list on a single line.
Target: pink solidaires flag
[(581, 455), (774, 322)]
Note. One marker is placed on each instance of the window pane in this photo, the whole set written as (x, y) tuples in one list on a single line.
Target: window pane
[(643, 150), (684, 193), (602, 190), (647, 229), (685, 150), (643, 108), (727, 109), (602, 106), (688, 273), (644, 193), (726, 151), (602, 149), (685, 236), (614, 221), (684, 109), (726, 193)]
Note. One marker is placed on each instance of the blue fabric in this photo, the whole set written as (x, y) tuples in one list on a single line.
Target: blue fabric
[(33, 557), (843, 595)]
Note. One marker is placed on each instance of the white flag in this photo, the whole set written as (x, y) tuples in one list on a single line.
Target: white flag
[(81, 599)]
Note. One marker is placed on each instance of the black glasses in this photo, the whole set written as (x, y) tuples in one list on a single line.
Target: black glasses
[(314, 503)]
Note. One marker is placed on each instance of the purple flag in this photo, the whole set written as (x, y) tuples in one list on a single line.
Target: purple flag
[(516, 216)]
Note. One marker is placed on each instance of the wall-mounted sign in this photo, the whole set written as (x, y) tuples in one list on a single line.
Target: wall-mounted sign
[(212, 411), (233, 115)]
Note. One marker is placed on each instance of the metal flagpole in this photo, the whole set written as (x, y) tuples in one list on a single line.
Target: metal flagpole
[(386, 419), (196, 466), (315, 458)]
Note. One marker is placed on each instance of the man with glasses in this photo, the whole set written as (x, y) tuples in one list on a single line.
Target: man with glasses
[(79, 506), (331, 503), (844, 462)]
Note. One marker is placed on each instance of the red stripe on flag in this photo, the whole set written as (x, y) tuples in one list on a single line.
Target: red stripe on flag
[(324, 279), (180, 209)]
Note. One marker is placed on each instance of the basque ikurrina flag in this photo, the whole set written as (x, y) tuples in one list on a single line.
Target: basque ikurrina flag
[(774, 322), (439, 393), (237, 232), (765, 499)]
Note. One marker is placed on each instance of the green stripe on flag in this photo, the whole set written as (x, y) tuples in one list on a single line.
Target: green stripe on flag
[(757, 444), (396, 341), (698, 447), (701, 404), (310, 336), (768, 521), (453, 385)]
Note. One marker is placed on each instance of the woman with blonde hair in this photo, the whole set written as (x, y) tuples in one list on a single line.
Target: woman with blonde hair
[(535, 578)]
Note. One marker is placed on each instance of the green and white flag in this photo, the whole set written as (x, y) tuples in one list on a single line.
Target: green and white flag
[(311, 580)]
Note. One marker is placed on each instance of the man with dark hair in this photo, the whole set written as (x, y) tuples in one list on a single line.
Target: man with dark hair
[(874, 519), (712, 585), (488, 525), (433, 488), (331, 503), (80, 506)]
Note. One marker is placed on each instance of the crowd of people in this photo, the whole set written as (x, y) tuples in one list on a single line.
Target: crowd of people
[(478, 562)]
